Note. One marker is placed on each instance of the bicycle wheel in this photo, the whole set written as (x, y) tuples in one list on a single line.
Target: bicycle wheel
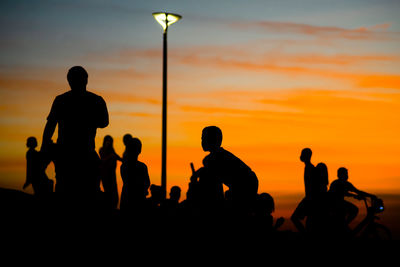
[(377, 231)]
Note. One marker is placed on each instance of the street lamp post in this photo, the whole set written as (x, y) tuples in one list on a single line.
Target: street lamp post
[(165, 20)]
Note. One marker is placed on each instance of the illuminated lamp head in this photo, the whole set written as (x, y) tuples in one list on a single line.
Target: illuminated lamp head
[(166, 19)]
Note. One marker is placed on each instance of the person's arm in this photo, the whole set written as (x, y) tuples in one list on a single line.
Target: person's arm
[(117, 157), (48, 134), (147, 178), (123, 173), (103, 119), (28, 172), (50, 125), (358, 193), (197, 174), (279, 222)]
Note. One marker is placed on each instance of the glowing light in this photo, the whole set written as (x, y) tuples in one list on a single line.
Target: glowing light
[(166, 19)]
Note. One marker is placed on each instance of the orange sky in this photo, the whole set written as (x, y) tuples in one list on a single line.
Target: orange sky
[(273, 87)]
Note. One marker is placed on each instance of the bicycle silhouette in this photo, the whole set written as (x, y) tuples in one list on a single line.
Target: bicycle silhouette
[(369, 228)]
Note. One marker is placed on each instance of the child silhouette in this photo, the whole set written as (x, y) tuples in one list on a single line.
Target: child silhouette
[(135, 177), (36, 165)]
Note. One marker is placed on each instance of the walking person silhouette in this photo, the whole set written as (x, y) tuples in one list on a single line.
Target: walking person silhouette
[(108, 176), (305, 207), (78, 114)]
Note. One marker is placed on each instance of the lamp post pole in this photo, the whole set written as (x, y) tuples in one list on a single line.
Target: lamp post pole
[(164, 118), (165, 19)]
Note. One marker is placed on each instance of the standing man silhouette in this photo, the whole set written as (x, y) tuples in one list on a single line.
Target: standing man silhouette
[(78, 113)]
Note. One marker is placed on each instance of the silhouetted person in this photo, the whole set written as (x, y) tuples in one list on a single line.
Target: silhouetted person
[(36, 164), (154, 202), (174, 195), (78, 113), (323, 179), (126, 139), (305, 206), (340, 189), (171, 206), (135, 179), (109, 159), (319, 213), (221, 166), (264, 208)]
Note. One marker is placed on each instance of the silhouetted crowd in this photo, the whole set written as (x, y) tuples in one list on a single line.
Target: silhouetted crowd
[(80, 172)]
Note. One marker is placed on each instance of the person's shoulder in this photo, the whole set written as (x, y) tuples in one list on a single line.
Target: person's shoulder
[(95, 99), (141, 165), (207, 157), (31, 153), (94, 96), (348, 184), (335, 182), (62, 97), (222, 152)]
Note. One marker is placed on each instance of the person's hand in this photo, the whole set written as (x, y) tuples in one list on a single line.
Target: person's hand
[(359, 197), (197, 174), (25, 186), (279, 222)]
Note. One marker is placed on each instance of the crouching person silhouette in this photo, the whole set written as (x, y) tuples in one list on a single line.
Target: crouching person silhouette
[(221, 166), (78, 113)]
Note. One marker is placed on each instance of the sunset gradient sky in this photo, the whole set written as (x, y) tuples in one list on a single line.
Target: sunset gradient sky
[(275, 76)]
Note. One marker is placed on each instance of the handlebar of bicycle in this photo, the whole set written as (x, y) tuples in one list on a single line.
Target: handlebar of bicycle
[(376, 204)]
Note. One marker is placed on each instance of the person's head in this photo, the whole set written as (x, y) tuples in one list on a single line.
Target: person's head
[(156, 192), (211, 138), (108, 141), (127, 137), (343, 174), (133, 147), (265, 203), (77, 78), (31, 142), (306, 155), (322, 170), (175, 193)]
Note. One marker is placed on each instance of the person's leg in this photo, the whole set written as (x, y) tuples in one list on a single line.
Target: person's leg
[(351, 212), (299, 214)]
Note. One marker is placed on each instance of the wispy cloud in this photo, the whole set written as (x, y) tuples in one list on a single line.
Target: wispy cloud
[(375, 32), (130, 98), (364, 79)]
